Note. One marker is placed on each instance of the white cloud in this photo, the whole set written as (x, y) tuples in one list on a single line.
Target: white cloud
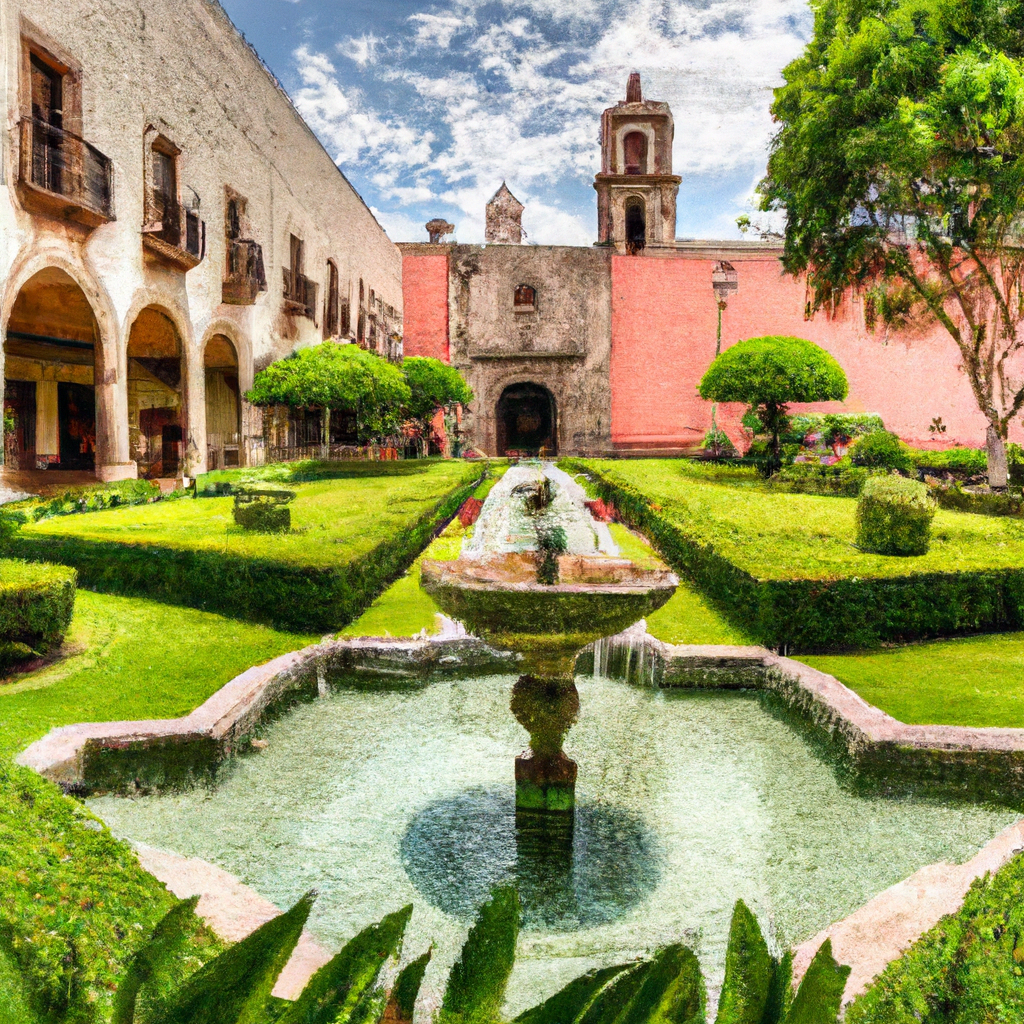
[(516, 99), (438, 29)]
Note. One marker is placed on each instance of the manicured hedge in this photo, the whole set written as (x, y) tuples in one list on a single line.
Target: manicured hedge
[(36, 604), (965, 970), (993, 504), (894, 516), (825, 614), (287, 595)]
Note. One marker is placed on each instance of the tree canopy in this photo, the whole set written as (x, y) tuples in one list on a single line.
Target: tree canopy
[(336, 378), (433, 385), (769, 373), (899, 162)]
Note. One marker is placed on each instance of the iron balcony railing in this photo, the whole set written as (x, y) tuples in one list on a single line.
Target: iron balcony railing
[(58, 162)]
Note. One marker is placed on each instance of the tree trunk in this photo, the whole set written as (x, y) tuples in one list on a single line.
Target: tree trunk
[(996, 450), (326, 440)]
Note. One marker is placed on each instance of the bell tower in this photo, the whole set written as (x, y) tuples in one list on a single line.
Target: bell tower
[(636, 189)]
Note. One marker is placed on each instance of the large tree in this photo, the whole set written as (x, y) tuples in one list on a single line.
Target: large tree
[(337, 378), (433, 386), (899, 163)]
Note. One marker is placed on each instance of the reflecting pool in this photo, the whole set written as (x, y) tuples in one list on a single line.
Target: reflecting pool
[(686, 801)]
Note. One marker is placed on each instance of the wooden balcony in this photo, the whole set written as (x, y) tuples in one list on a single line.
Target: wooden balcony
[(60, 175), (178, 239)]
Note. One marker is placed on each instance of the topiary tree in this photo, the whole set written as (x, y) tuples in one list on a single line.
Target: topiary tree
[(433, 385), (333, 378), (768, 374)]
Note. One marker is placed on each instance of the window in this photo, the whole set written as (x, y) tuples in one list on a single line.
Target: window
[(245, 276), (299, 290), (524, 298), (165, 184)]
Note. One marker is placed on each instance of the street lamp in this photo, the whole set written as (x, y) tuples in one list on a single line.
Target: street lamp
[(724, 283)]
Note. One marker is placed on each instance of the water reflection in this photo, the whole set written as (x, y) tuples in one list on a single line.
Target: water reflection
[(570, 874)]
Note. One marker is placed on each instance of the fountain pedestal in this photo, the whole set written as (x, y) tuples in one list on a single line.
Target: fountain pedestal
[(546, 609), (546, 707)]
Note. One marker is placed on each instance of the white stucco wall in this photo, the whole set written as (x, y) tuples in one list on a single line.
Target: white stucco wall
[(181, 66)]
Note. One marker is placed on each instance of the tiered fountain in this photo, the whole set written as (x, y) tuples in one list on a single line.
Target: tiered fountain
[(541, 578)]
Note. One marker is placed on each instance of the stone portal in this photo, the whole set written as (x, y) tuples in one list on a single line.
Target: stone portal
[(527, 421)]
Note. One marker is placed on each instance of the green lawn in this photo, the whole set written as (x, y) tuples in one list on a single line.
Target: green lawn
[(134, 658), (333, 520), (70, 895), (778, 536), (976, 681)]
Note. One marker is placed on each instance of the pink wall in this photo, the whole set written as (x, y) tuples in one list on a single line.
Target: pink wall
[(663, 339), (425, 300)]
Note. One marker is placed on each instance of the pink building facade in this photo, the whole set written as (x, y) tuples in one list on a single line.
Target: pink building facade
[(608, 353)]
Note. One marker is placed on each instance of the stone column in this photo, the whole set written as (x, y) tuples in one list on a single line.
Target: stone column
[(545, 777)]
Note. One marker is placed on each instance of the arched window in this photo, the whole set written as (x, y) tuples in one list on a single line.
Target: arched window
[(636, 225), (634, 152), (525, 297)]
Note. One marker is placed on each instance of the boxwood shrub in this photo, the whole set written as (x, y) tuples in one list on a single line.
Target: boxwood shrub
[(299, 597), (894, 516), (882, 450), (36, 604), (824, 614)]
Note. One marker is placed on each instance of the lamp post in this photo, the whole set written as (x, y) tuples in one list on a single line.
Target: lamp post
[(724, 283)]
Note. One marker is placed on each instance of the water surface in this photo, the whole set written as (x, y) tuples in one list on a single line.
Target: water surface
[(688, 801)]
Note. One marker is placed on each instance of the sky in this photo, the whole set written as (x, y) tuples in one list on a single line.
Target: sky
[(428, 107)]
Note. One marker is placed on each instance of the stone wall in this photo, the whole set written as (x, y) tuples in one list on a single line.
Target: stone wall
[(563, 342), (180, 70), (622, 341)]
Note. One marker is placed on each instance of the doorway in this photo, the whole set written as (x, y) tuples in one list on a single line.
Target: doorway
[(527, 420)]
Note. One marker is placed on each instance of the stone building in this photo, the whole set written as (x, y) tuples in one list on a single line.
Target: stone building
[(600, 349), (168, 225)]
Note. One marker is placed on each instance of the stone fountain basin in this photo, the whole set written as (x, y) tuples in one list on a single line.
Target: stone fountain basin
[(500, 600)]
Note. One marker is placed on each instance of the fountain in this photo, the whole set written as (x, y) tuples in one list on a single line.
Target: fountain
[(541, 578)]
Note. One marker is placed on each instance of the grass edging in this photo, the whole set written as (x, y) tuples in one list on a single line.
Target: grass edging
[(259, 590), (824, 615)]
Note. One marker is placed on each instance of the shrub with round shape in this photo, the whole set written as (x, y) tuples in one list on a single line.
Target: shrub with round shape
[(767, 374), (894, 516), (882, 450)]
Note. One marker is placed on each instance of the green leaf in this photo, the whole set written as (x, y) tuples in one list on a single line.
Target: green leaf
[(615, 998), (234, 988), (407, 986), (820, 995), (476, 985), (168, 937), (571, 1002), (334, 993), (780, 993), (672, 991), (749, 970)]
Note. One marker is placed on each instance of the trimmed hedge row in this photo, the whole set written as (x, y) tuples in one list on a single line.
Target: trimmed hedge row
[(303, 598), (825, 615), (36, 604)]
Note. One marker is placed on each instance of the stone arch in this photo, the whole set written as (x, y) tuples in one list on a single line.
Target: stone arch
[(634, 211), (63, 367), (157, 356), (635, 153), (526, 419), (222, 403)]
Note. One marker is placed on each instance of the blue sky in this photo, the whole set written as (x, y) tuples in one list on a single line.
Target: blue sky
[(427, 107)]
